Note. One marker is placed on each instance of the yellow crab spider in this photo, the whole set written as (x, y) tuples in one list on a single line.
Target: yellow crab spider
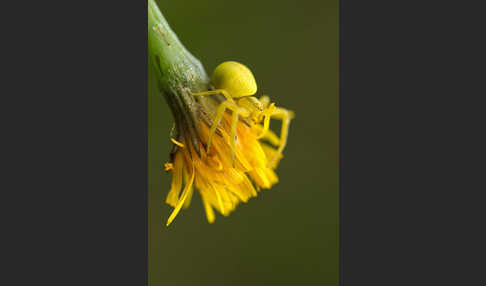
[(237, 84)]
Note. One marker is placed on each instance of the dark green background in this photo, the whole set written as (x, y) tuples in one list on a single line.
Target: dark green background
[(287, 234)]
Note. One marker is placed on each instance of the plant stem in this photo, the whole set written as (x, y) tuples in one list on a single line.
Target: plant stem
[(178, 72)]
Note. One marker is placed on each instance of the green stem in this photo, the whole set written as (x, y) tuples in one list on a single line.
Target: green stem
[(178, 72)]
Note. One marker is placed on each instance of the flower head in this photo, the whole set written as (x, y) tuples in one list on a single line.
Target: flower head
[(221, 182)]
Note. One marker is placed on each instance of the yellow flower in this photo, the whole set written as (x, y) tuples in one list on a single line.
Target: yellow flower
[(222, 182)]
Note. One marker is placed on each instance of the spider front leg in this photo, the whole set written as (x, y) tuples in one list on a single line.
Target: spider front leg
[(267, 113), (281, 114), (284, 115), (213, 92), (228, 104), (236, 110)]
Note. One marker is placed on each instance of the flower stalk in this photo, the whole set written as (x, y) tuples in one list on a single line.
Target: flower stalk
[(178, 72)]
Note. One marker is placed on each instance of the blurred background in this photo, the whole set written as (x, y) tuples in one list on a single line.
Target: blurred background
[(289, 233)]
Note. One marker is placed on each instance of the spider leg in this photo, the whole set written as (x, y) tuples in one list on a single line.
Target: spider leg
[(237, 111), (234, 122), (229, 103), (216, 91), (217, 119), (284, 115), (265, 100), (266, 122)]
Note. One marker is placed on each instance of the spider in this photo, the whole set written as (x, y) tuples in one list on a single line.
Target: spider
[(237, 84)]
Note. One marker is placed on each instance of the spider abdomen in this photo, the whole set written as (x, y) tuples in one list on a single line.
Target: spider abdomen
[(235, 78)]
